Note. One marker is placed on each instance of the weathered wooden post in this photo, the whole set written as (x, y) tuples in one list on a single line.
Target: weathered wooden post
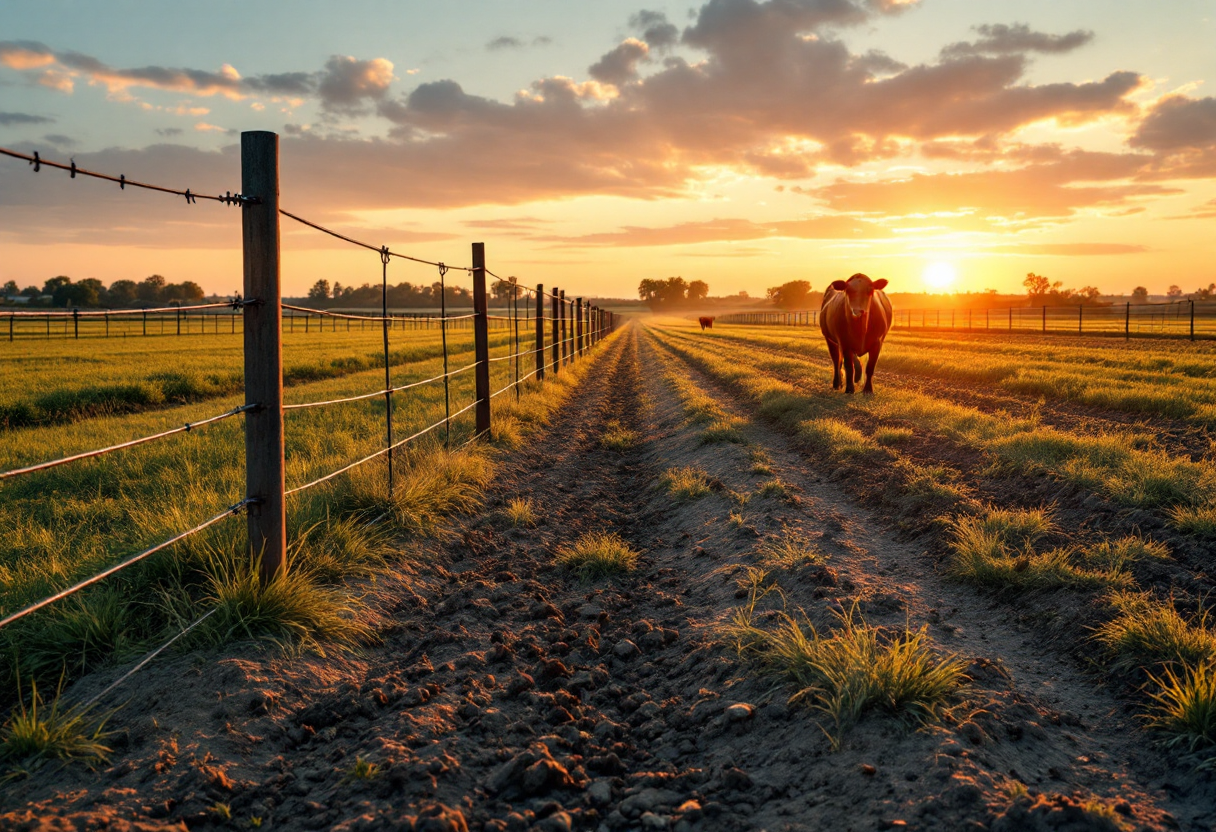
[(563, 315), (1192, 319), (481, 339), (263, 351), (1044, 317), (553, 306), (1127, 321), (540, 331), (578, 327)]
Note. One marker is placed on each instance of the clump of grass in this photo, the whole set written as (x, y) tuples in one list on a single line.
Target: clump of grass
[(520, 511), (997, 552), (835, 437), (617, 437), (930, 487), (1122, 553), (1199, 521), (774, 489), (685, 484), (852, 670), (737, 520), (221, 812), (1184, 706), (337, 548), (1149, 633), (291, 608), (362, 771), (36, 734), (727, 429), (790, 551), (889, 436), (85, 632), (761, 463), (598, 555)]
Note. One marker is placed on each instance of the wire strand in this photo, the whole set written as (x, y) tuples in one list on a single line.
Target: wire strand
[(228, 512)]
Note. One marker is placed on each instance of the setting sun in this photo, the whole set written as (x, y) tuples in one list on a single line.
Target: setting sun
[(939, 277)]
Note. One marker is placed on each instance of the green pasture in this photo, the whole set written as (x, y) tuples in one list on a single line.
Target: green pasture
[(1167, 378)]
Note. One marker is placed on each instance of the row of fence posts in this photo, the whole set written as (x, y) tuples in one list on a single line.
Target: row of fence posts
[(577, 325), (811, 318)]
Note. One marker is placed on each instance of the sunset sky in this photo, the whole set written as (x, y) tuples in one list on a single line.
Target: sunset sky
[(593, 144)]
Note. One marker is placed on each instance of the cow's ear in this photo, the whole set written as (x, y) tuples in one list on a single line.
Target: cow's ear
[(839, 285), (881, 283)]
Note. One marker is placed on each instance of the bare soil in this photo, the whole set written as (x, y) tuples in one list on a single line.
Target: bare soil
[(506, 695)]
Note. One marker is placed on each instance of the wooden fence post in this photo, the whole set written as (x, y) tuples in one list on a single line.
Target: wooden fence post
[(562, 316), (481, 339), (1127, 321), (263, 351), (1044, 318), (1192, 319), (578, 327), (540, 332), (555, 347)]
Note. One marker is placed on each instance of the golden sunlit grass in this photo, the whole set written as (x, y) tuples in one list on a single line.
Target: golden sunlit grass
[(790, 551), (520, 511), (1184, 706), (685, 484), (1148, 633), (598, 555), (37, 732), (1123, 467), (617, 437), (850, 670)]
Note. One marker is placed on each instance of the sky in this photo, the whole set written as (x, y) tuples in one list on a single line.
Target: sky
[(591, 145)]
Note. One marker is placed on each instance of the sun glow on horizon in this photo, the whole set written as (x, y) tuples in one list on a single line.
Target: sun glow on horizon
[(939, 276)]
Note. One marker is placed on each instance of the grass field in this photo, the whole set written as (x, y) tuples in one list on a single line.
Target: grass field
[(66, 523)]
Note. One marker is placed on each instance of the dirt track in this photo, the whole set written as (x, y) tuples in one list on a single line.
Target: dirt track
[(506, 695)]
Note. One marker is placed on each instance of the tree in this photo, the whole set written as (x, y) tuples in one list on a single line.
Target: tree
[(502, 290), (319, 290), (659, 294), (54, 283), (1173, 293), (121, 293), (11, 288), (31, 291), (1140, 295), (187, 290), (792, 295), (1204, 294), (84, 293), (151, 288), (698, 290), (1087, 295), (1038, 286)]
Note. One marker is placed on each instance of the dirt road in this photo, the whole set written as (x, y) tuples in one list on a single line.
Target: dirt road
[(507, 695)]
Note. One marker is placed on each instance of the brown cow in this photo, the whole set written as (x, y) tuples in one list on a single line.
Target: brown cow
[(706, 322), (854, 318)]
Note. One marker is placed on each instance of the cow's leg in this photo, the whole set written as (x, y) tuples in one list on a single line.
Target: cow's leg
[(834, 352), (856, 368), (871, 363), (849, 358)]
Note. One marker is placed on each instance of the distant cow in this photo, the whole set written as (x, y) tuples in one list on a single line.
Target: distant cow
[(854, 318), (706, 322)]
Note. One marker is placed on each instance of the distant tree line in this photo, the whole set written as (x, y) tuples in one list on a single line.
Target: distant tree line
[(672, 292), (62, 291), (403, 295)]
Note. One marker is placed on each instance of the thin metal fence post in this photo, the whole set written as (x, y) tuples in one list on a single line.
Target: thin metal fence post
[(515, 323), (481, 339), (388, 376), (1044, 318), (1080, 313), (1127, 321), (443, 336), (540, 332), (1192, 319), (264, 480)]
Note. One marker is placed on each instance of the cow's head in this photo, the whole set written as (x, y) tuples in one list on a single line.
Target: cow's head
[(858, 290)]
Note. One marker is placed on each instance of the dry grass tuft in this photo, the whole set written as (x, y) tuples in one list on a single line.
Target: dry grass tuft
[(1148, 633), (852, 670), (1184, 706), (520, 511), (35, 735), (791, 551), (685, 484), (617, 437), (1199, 521), (598, 555)]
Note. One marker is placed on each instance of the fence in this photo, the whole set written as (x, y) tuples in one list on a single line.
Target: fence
[(202, 319), (1179, 319), (574, 327)]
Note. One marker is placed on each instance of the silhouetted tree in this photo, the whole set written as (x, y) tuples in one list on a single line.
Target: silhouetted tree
[(793, 295), (697, 290), (319, 290), (1140, 295), (1173, 293), (151, 289)]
